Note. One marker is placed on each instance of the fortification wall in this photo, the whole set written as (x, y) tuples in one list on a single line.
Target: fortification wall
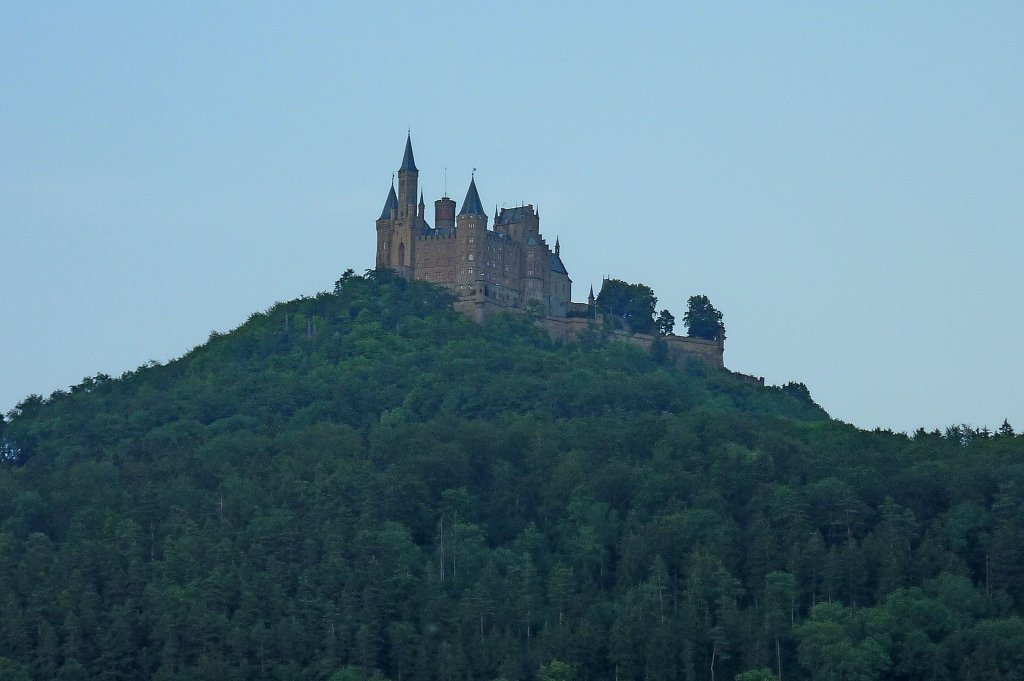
[(680, 348)]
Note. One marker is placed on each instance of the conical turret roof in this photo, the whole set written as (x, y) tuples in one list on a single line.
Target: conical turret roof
[(408, 162), (390, 204), (472, 204)]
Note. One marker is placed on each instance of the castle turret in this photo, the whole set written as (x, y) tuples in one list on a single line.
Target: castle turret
[(390, 205), (444, 213), (408, 179), (421, 211), (472, 233), (386, 228)]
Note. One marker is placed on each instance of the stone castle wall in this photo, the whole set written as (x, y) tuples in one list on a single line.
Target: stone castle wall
[(680, 348)]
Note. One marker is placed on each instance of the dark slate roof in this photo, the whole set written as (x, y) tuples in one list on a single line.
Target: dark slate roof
[(408, 162), (556, 264), (510, 216), (472, 205), (391, 203)]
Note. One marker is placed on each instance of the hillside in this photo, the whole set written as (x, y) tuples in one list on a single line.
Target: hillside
[(365, 484)]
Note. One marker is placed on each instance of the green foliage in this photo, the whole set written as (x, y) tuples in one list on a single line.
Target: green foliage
[(762, 674), (12, 671), (702, 319), (366, 485), (556, 671), (665, 322), (630, 304)]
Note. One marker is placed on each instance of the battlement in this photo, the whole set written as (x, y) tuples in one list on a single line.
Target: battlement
[(436, 237)]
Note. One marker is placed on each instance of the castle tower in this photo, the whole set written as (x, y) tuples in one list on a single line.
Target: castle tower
[(444, 213), (408, 180), (401, 222), (472, 232), (386, 228)]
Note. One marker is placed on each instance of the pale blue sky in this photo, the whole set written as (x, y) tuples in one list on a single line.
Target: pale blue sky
[(844, 180)]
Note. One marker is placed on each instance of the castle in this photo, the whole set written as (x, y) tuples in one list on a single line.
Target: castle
[(509, 267)]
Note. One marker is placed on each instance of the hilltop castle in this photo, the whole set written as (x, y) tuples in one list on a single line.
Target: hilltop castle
[(510, 267)]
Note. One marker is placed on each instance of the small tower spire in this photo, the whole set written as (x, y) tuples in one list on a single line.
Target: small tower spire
[(391, 203), (408, 162), (472, 205), (590, 298), (558, 246), (408, 180)]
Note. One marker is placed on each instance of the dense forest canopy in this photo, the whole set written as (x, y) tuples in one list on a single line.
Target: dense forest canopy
[(365, 484)]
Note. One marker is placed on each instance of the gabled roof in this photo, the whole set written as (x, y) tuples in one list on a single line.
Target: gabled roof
[(408, 162), (556, 264), (510, 216), (472, 205), (390, 204)]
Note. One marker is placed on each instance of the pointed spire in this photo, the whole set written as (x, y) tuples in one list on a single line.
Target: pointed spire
[(472, 205), (421, 198), (558, 246), (391, 203), (408, 162), (590, 298)]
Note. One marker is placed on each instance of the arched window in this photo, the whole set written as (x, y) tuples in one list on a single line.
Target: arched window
[(401, 254)]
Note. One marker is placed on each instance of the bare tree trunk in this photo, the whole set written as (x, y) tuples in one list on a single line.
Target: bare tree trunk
[(440, 534)]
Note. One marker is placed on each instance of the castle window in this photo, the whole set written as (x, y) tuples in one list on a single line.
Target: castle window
[(401, 254), (470, 256)]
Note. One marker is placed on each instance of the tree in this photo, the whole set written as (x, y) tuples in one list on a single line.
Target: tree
[(555, 671), (779, 604), (702, 319), (833, 646), (632, 304), (665, 322), (345, 277), (757, 675)]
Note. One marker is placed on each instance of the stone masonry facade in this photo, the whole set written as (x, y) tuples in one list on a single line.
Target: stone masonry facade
[(508, 268)]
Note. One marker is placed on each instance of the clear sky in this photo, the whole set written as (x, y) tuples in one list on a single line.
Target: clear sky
[(844, 180)]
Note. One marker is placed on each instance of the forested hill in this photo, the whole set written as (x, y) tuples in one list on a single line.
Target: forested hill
[(365, 484)]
